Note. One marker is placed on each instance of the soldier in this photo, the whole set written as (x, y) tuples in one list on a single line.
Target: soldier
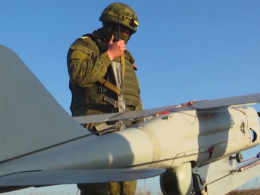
[(91, 80)]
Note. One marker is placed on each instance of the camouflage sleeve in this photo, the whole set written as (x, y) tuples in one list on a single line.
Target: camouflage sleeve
[(85, 64), (140, 106)]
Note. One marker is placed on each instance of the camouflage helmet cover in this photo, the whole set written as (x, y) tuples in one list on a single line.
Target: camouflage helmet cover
[(127, 16)]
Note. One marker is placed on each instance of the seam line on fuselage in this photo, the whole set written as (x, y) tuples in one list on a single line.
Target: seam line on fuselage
[(46, 148), (155, 142), (166, 159)]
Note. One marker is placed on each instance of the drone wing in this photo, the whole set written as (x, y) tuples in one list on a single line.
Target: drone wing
[(199, 105), (45, 178)]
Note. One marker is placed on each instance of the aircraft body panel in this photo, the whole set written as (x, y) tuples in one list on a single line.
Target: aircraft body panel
[(40, 140), (224, 176), (30, 118), (161, 142), (44, 178)]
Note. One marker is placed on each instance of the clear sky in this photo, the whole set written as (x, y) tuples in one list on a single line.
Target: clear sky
[(184, 50)]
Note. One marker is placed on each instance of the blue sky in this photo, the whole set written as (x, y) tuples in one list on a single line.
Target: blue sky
[(184, 50)]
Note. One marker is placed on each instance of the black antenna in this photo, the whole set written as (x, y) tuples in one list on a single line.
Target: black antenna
[(118, 28), (118, 38)]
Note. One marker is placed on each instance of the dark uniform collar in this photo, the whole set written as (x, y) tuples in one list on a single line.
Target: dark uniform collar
[(100, 34)]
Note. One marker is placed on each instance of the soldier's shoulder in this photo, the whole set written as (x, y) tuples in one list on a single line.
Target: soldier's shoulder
[(85, 44), (129, 56)]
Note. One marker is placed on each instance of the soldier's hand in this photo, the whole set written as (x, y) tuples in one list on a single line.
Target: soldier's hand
[(116, 49)]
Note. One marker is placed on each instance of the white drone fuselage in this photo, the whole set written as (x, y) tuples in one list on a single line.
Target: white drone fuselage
[(162, 141), (41, 144)]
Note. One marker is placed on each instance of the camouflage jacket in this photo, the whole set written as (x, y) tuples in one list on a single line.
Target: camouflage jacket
[(87, 63)]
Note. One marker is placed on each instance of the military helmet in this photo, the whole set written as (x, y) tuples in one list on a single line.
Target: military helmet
[(122, 13)]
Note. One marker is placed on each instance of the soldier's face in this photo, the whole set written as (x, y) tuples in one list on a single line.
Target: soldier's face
[(124, 33), (123, 30)]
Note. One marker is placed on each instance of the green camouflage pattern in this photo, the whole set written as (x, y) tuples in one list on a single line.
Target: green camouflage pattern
[(113, 188), (125, 13), (129, 188), (86, 65), (87, 62), (131, 89)]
